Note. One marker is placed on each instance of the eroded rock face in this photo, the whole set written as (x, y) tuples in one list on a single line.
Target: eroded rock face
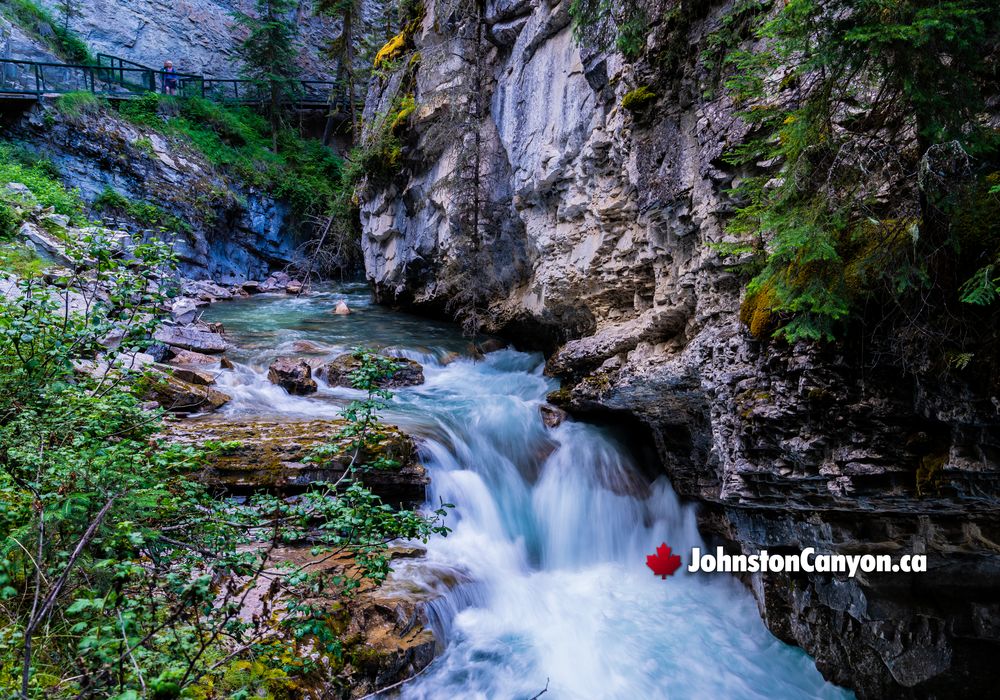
[(245, 234), (610, 267), (199, 37), (338, 372), (292, 375), (270, 456)]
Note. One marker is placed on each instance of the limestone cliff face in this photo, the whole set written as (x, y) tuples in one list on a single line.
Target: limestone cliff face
[(199, 36), (232, 233), (600, 220)]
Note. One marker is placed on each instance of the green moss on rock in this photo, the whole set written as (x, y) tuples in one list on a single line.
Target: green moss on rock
[(638, 99)]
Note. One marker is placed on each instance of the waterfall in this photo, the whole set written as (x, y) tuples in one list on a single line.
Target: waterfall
[(543, 578)]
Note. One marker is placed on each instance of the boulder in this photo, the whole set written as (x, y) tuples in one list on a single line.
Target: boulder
[(309, 348), (19, 189), (342, 308), (275, 282), (552, 417), (133, 361), (338, 372), (293, 375), (178, 396), (191, 338), (193, 376), (492, 345), (44, 242), (205, 290), (188, 358), (184, 310), (294, 287)]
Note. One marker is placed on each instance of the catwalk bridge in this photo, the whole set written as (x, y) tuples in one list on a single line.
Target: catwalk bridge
[(120, 79)]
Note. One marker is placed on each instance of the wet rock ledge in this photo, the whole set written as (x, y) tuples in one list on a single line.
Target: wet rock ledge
[(271, 455)]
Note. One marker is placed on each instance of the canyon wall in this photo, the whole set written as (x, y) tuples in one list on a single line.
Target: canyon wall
[(199, 36), (230, 233), (594, 227)]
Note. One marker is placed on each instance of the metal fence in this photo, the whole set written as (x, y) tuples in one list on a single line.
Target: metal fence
[(114, 76)]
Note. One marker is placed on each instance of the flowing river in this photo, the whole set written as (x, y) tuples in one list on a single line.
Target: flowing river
[(551, 526)]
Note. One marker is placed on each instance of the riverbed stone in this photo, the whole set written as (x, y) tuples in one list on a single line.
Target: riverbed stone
[(193, 376), (178, 396), (492, 345), (338, 372), (192, 338), (184, 310), (275, 282), (552, 416), (189, 358), (292, 374)]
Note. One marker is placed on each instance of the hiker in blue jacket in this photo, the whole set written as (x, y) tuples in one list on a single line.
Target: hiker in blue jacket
[(169, 78)]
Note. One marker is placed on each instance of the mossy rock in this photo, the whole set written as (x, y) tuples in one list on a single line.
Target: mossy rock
[(758, 311), (392, 50), (638, 99), (178, 396), (338, 372), (562, 396), (271, 456)]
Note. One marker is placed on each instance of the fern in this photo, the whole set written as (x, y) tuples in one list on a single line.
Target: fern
[(982, 288)]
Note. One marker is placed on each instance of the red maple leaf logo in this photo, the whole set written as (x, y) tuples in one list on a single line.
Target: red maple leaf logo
[(663, 563)]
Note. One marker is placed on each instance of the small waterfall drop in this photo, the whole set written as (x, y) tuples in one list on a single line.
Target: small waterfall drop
[(543, 579)]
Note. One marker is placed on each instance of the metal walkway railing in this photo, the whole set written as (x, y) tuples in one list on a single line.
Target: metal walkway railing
[(117, 77)]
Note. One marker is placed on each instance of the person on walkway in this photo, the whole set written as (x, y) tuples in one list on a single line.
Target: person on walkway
[(169, 78)]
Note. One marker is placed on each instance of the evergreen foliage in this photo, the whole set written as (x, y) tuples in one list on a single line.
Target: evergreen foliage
[(269, 54), (846, 98)]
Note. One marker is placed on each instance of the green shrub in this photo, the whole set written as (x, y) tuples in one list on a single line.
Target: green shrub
[(144, 110), (9, 221), (41, 177), (826, 249), (627, 21)]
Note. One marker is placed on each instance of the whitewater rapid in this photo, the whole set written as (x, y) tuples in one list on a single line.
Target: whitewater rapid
[(547, 585)]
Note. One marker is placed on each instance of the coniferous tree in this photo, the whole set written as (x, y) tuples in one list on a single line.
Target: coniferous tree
[(268, 54)]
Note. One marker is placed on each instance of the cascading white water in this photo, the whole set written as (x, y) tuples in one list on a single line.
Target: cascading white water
[(548, 585)]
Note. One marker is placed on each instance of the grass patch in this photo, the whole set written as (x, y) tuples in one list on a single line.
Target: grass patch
[(9, 221), (19, 260), (38, 21), (79, 103), (304, 172), (143, 110), (41, 177)]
